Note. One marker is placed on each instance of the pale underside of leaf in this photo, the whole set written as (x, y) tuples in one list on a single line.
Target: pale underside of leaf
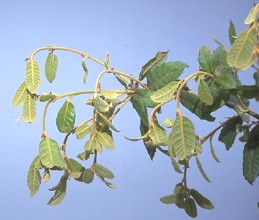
[(183, 138), (165, 93), (29, 109), (32, 76), (19, 95), (240, 54)]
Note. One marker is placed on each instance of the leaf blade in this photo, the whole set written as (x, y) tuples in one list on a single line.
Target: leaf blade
[(32, 76)]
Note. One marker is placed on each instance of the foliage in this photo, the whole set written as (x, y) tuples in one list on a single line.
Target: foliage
[(159, 83)]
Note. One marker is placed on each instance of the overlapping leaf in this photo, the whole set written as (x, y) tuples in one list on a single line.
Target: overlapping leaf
[(190, 207), (92, 145), (201, 200), (32, 76), (251, 156), (33, 176), (66, 117), (50, 155), (75, 168), (183, 137), (100, 104), (106, 121), (204, 92), (158, 134), (19, 95), (228, 132), (165, 93), (82, 130), (240, 54), (205, 59), (29, 109), (88, 176), (164, 74), (60, 191), (51, 66), (144, 96), (105, 139), (153, 63)]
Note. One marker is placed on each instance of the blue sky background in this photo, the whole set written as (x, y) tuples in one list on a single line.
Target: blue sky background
[(132, 31)]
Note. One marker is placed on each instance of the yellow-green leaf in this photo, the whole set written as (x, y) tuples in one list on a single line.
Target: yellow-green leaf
[(158, 135), (111, 94), (19, 95), (240, 54), (165, 93), (183, 138), (204, 92), (252, 15), (29, 109), (32, 76), (82, 130), (92, 145), (50, 155), (51, 66), (105, 140)]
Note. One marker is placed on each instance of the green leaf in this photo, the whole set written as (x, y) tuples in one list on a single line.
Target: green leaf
[(190, 207), (100, 104), (251, 156), (88, 176), (60, 191), (164, 74), (19, 95), (105, 140), (102, 171), (183, 137), (201, 200), (45, 97), (153, 63), (51, 66), (33, 176), (201, 169), (29, 109), (205, 59), (32, 76), (204, 92), (226, 82), (123, 80), (213, 151), (50, 155), (158, 134), (252, 15), (240, 54), (66, 117), (228, 132), (193, 103), (144, 96), (256, 78), (172, 198), (179, 188), (246, 91), (82, 130), (75, 168), (165, 93), (231, 32), (86, 71)]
